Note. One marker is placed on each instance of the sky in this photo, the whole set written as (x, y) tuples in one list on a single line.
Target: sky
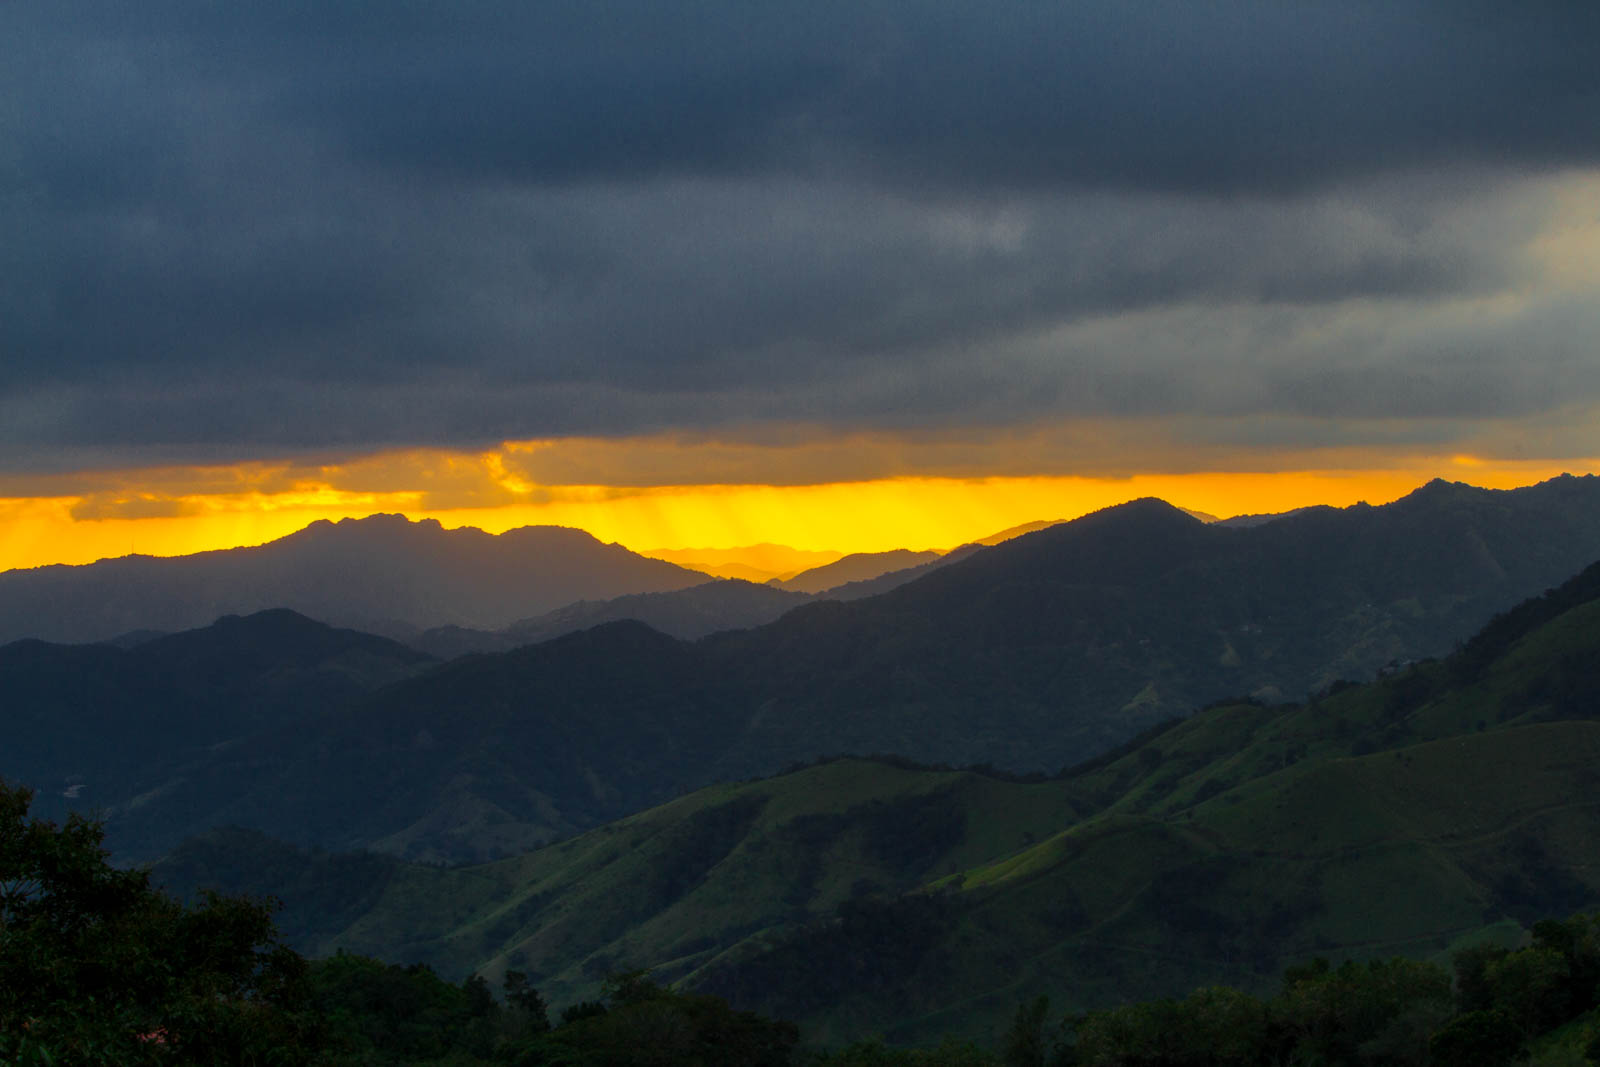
[(842, 275)]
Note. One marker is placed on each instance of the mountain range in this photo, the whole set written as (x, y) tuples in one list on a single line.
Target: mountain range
[(1031, 655), (763, 562), (382, 573), (856, 567), (1447, 803), (700, 610), (723, 604), (446, 592)]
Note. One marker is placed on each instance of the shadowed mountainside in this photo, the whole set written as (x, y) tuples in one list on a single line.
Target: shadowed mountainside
[(749, 563), (856, 567), (1031, 655), (1442, 804), (95, 725), (687, 614), (1017, 531), (866, 587), (1058, 644), (379, 573), (702, 610), (859, 896), (725, 604)]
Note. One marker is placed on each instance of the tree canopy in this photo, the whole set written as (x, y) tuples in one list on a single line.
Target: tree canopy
[(97, 966)]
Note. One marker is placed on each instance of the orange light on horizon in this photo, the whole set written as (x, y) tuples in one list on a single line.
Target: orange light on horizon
[(876, 515)]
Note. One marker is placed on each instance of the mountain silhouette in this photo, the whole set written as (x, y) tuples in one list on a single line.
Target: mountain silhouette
[(104, 725), (856, 567), (380, 573), (689, 614), (1032, 655), (725, 604)]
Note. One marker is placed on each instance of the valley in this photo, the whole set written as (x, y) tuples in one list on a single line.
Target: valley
[(1221, 848), (983, 784)]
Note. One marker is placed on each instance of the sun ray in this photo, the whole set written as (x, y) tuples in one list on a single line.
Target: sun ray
[(168, 513)]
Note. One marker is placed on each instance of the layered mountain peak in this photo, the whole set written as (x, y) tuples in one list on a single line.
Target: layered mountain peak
[(375, 521), (1149, 510), (1438, 491), (383, 573), (275, 636), (555, 535), (1144, 516), (1112, 544)]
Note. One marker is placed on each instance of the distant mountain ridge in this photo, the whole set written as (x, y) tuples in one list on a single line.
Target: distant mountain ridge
[(729, 604), (856, 567), (1031, 655), (751, 563), (688, 614), (1017, 531), (380, 573)]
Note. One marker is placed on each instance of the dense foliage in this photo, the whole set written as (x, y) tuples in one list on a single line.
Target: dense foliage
[(98, 967), (1494, 1009), (1499, 1007)]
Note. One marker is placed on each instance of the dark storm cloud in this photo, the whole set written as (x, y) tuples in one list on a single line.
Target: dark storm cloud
[(239, 227), (1226, 97)]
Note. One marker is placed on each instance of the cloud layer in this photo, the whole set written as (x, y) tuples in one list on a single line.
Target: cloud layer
[(240, 230)]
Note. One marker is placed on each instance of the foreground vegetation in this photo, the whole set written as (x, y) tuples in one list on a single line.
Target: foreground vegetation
[(97, 967)]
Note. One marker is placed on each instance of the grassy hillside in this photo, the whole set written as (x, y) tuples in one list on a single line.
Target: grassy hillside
[(667, 888), (1437, 804), (1449, 801)]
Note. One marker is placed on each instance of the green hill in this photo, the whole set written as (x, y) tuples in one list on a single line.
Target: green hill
[(1441, 803), (667, 888), (1445, 802)]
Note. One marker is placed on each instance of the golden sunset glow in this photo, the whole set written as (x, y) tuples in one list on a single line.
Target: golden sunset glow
[(177, 511)]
